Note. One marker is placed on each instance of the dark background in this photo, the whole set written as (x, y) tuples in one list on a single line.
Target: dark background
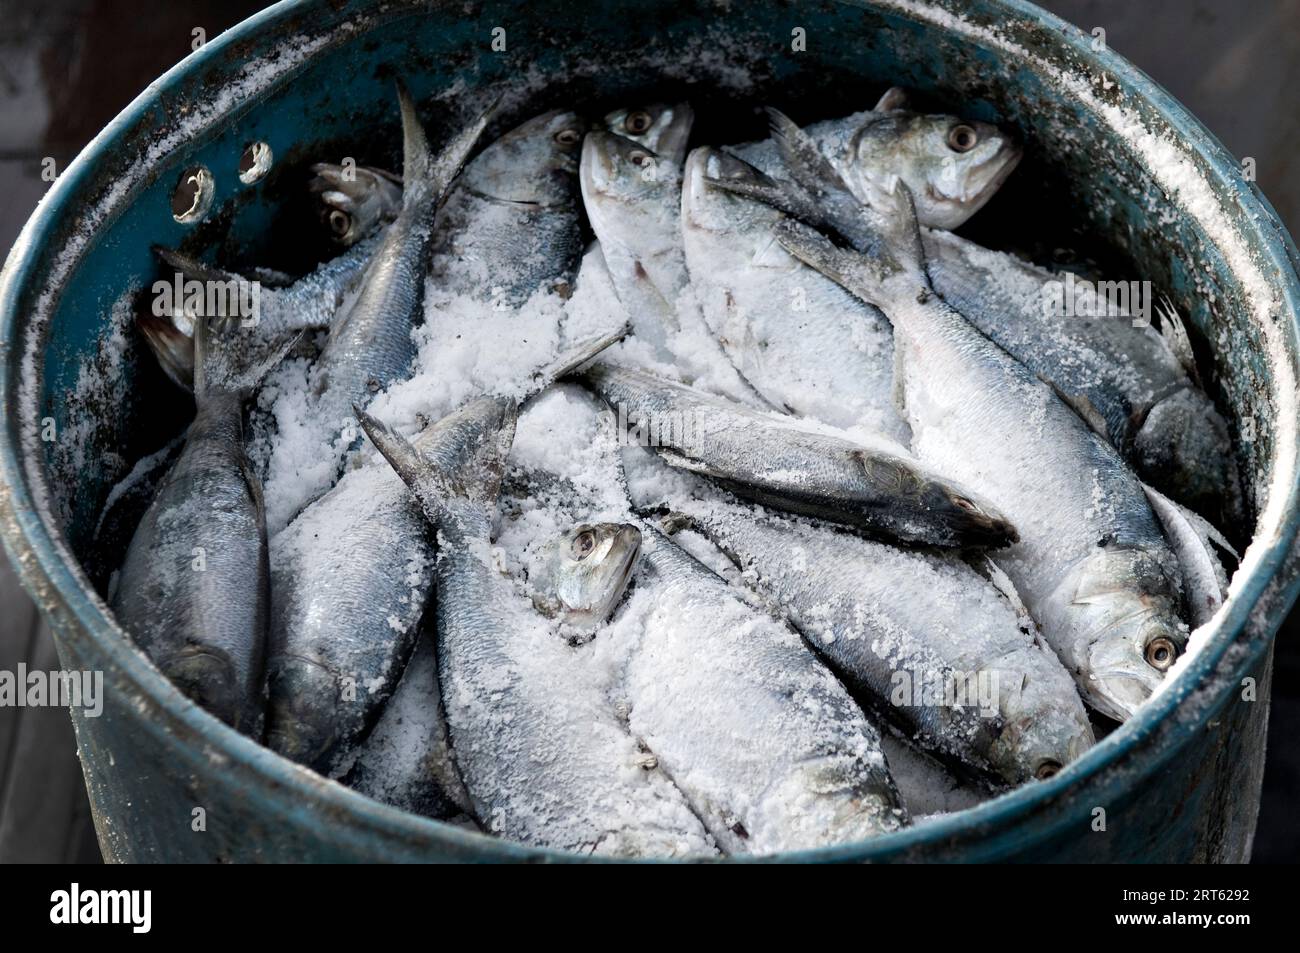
[(69, 66)]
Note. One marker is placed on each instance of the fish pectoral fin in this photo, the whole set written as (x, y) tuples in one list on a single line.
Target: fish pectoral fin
[(1082, 406), (254, 486)]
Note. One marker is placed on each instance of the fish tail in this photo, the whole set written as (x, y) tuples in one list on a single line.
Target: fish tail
[(417, 161), (423, 173), (473, 475), (229, 358), (172, 347)]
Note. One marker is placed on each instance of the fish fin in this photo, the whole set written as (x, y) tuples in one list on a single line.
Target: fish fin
[(254, 492), (874, 275), (672, 145), (423, 173), (229, 358), (569, 361), (1174, 334), (893, 100), (173, 349), (1084, 407), (417, 161), (682, 461), (898, 393), (477, 475), (801, 156)]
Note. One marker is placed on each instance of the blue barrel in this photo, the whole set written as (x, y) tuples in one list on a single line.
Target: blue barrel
[(314, 78)]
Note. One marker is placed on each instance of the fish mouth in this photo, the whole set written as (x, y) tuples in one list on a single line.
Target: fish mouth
[(995, 171)]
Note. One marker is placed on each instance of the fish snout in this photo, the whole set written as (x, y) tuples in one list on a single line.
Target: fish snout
[(303, 717), (976, 522)]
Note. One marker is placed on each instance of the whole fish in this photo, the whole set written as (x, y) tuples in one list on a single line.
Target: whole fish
[(1092, 563), (356, 202), (370, 344), (544, 757), (193, 589), (922, 638), (953, 166), (768, 746), (763, 458), (352, 575), (512, 223), (308, 302)]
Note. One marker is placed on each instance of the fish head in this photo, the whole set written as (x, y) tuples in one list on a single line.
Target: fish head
[(1044, 724), (620, 176), (355, 202), (1122, 627), (710, 209), (585, 572), (952, 166), (660, 127), (534, 164)]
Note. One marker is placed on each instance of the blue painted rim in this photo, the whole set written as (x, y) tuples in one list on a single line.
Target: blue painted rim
[(34, 549)]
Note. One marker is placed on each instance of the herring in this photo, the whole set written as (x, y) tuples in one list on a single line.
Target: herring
[(1091, 564), (306, 303), (953, 166), (352, 574), (370, 345), (193, 590), (898, 624), (545, 762), (763, 458), (631, 176)]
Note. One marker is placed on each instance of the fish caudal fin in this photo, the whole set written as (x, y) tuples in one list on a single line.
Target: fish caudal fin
[(474, 468), (230, 357), (423, 173), (173, 348)]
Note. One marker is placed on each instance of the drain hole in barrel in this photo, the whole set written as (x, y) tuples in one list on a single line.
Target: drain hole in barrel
[(255, 162), (193, 195)]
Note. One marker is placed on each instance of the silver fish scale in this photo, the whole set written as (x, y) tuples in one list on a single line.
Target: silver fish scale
[(875, 611), (801, 340), (503, 251), (1122, 370), (766, 743), (205, 510), (538, 744)]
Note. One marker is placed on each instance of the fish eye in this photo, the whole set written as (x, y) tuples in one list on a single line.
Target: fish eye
[(639, 158), (637, 122), (339, 222), (583, 544), (567, 137), (1160, 653), (1047, 768), (962, 138)]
